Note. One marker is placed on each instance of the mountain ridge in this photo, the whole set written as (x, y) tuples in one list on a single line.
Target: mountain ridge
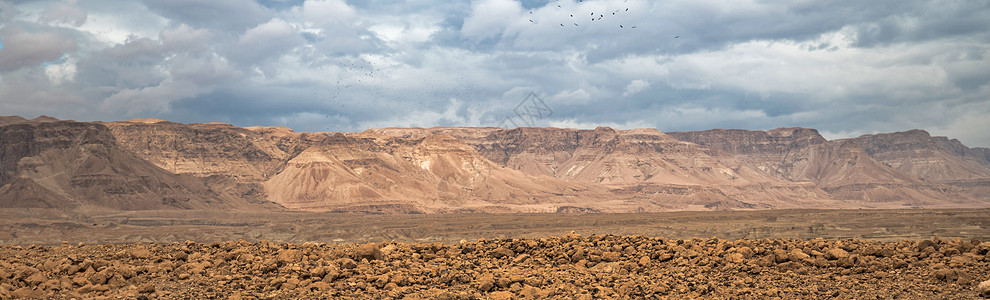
[(477, 169)]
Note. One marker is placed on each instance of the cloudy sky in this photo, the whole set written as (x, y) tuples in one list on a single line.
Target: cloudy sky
[(845, 67)]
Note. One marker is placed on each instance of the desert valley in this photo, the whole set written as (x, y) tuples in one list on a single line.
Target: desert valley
[(148, 208)]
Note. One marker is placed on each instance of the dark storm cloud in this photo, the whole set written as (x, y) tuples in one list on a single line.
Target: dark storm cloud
[(845, 67), (22, 48)]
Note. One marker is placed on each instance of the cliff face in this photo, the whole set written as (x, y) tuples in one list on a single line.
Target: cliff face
[(933, 159), (936, 159), (154, 164), (845, 169), (80, 165)]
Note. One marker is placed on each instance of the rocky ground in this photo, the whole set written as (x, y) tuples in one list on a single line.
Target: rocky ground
[(569, 266)]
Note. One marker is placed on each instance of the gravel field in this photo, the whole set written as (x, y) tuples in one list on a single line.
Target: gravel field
[(569, 266)]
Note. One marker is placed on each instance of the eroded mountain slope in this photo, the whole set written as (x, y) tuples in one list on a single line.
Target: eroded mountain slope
[(80, 165), (155, 164)]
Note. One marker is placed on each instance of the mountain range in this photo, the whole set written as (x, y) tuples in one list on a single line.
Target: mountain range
[(151, 164)]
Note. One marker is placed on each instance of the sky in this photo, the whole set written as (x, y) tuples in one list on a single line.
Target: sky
[(844, 67)]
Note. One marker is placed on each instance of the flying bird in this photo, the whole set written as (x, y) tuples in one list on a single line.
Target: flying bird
[(677, 37), (620, 26)]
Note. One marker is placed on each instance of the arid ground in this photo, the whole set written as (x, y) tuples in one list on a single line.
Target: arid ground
[(50, 227), (909, 254)]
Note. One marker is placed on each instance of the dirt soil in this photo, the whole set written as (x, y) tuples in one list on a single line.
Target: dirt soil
[(570, 266), (48, 227)]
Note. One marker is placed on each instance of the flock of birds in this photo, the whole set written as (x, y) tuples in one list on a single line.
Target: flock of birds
[(594, 16), (361, 70)]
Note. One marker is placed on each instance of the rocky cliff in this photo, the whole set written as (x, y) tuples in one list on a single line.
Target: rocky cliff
[(932, 159), (53, 164), (843, 168), (155, 164)]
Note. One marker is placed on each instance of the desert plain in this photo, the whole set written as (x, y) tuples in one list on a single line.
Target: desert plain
[(883, 254), (146, 208)]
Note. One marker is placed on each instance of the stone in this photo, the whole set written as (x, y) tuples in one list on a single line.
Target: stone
[(836, 254), (983, 289), (486, 282), (736, 258), (521, 258), (503, 252), (368, 251), (27, 293), (502, 295), (347, 263), (797, 255)]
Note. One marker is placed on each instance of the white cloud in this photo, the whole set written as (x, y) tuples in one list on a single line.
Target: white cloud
[(859, 67), (184, 37), (574, 123), (577, 96), (635, 87), (62, 72), (266, 41), (489, 18), (266, 33), (323, 12), (149, 100)]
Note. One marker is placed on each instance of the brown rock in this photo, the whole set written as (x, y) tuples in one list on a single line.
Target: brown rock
[(797, 255), (368, 251), (502, 295), (521, 258), (289, 256), (28, 293), (611, 256), (644, 261), (503, 252), (486, 282), (746, 252), (836, 254), (764, 261), (529, 292), (983, 289), (36, 279), (139, 252), (927, 243), (735, 258), (347, 263)]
